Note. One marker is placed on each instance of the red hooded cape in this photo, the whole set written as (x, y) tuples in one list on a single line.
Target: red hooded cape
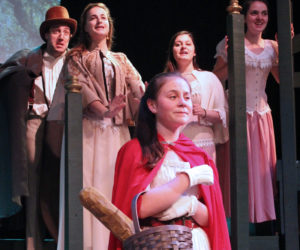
[(132, 177)]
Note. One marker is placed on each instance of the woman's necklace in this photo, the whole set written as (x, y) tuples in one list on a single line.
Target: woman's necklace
[(187, 73), (189, 76)]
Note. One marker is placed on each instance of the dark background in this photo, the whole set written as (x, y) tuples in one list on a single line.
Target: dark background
[(143, 30)]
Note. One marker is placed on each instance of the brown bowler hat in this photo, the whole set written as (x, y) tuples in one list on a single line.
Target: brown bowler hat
[(57, 15)]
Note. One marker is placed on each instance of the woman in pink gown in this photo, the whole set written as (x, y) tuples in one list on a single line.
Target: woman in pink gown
[(261, 58)]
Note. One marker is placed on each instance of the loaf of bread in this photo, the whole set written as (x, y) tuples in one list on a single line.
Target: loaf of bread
[(114, 219)]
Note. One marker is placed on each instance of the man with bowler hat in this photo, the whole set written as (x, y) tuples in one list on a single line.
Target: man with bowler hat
[(28, 81)]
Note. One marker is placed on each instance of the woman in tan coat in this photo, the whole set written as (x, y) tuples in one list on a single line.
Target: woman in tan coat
[(111, 89)]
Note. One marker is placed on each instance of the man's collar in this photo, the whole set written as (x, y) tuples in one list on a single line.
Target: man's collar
[(50, 60)]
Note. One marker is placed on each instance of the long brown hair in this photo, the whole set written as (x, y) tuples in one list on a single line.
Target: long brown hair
[(84, 37), (146, 131), (171, 64)]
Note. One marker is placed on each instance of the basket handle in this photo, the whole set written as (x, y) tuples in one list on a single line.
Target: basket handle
[(135, 218)]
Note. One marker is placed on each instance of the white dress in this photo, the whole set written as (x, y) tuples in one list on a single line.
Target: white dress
[(101, 141), (171, 165)]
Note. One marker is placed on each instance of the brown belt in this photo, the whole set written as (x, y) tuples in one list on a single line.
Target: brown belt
[(184, 221), (34, 116)]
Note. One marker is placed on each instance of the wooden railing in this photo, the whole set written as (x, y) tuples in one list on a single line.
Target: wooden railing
[(73, 167), (289, 219)]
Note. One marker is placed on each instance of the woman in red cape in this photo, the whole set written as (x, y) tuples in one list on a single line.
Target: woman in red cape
[(190, 188)]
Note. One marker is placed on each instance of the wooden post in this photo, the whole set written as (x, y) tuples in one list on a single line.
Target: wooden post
[(237, 128), (73, 166), (288, 132)]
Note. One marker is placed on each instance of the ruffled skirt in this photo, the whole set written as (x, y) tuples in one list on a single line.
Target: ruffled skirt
[(101, 143)]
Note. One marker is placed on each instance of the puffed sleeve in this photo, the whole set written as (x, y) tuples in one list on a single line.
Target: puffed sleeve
[(134, 85), (221, 51), (133, 79), (220, 105), (76, 68)]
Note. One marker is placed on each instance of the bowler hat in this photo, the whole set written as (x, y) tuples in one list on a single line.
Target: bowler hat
[(57, 15)]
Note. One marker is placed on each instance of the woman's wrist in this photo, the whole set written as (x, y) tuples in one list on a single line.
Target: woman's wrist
[(106, 113), (203, 116)]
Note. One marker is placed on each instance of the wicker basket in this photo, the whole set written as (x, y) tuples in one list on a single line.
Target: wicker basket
[(161, 237)]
